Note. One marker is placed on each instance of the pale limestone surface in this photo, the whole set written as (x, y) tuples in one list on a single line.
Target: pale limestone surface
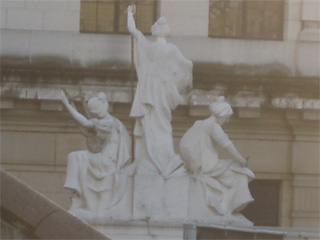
[(225, 182), (152, 199), (120, 211), (3, 19), (30, 153), (161, 188), (177, 199), (266, 137), (143, 229), (159, 199), (24, 19), (268, 143), (163, 74), (310, 10), (95, 175), (41, 15), (201, 213), (214, 193)]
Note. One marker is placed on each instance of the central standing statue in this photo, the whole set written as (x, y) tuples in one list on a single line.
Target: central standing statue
[(163, 73)]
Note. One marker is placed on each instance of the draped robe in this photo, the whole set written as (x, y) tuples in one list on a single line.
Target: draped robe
[(224, 181), (96, 177), (163, 72)]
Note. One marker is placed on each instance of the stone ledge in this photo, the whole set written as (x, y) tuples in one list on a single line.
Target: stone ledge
[(264, 232), (305, 214), (310, 35), (39, 216), (303, 181), (122, 94)]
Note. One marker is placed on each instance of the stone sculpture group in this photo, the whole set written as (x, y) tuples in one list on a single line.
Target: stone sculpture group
[(99, 176)]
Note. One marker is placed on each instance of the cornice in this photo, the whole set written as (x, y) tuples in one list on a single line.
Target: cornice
[(248, 93)]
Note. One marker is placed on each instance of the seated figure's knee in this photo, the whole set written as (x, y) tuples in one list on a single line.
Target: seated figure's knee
[(75, 157), (240, 181), (234, 179)]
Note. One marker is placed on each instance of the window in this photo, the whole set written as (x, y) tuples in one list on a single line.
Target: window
[(250, 19), (110, 16), (264, 211)]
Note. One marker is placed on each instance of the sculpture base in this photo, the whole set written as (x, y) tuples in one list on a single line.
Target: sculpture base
[(121, 211), (154, 206), (158, 199), (141, 230)]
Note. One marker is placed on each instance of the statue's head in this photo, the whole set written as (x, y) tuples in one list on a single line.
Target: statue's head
[(98, 106), (160, 28), (221, 109)]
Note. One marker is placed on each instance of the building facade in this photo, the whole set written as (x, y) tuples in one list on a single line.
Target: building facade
[(263, 56)]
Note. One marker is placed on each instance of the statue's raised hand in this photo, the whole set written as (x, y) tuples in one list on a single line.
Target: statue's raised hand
[(132, 9)]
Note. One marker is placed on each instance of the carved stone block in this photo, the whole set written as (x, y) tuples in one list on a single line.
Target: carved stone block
[(156, 198)]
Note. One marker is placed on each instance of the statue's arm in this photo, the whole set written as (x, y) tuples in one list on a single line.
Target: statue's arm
[(185, 60), (131, 23), (82, 120), (236, 155), (223, 140)]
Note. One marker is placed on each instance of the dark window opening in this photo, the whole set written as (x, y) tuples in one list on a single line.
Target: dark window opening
[(110, 16), (264, 211), (247, 19)]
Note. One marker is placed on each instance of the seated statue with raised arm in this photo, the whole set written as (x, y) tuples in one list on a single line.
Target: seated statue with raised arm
[(93, 175)]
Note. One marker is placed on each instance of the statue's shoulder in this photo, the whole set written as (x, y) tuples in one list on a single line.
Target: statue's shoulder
[(172, 47), (211, 126), (200, 126)]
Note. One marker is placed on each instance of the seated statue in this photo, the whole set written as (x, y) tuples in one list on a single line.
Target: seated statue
[(225, 182), (94, 175)]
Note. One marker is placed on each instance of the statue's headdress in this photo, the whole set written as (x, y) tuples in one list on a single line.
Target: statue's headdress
[(98, 104), (220, 108)]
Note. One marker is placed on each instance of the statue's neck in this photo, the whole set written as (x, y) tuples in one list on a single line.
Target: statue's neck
[(108, 115), (213, 117)]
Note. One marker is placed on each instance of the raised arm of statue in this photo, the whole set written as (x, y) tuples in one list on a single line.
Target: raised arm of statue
[(82, 120), (131, 23)]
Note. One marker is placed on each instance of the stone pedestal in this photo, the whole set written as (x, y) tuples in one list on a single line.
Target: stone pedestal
[(121, 211), (199, 212), (157, 208), (141, 230), (158, 199)]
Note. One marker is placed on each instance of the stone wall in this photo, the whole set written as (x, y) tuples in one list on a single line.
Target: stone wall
[(45, 35), (272, 86), (40, 15)]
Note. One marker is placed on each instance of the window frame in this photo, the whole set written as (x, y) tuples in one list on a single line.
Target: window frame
[(244, 34), (117, 15)]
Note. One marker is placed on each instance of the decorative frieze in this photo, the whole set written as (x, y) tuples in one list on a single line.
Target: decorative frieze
[(248, 103)]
